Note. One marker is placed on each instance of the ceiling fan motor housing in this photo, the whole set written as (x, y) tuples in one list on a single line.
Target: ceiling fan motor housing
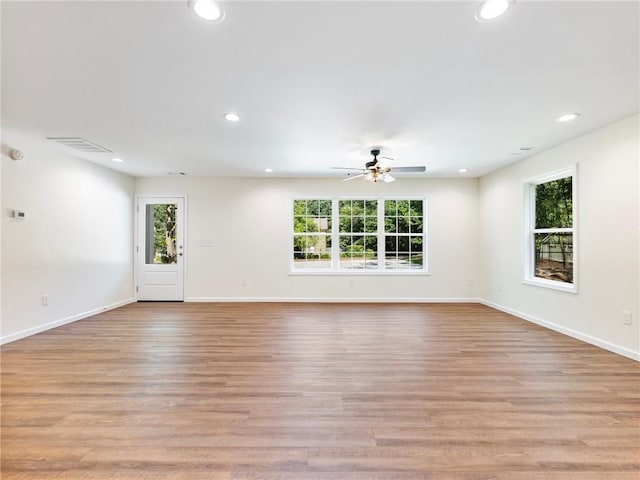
[(372, 164)]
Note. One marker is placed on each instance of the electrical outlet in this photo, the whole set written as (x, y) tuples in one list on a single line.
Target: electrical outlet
[(626, 317), (243, 282), (45, 300), (499, 286), (470, 283), (351, 282)]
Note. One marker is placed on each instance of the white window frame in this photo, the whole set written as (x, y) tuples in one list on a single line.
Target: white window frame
[(335, 238), (530, 230)]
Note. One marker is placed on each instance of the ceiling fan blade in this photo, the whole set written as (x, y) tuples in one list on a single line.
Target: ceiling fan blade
[(389, 158), (346, 168), (388, 178), (351, 178), (410, 169)]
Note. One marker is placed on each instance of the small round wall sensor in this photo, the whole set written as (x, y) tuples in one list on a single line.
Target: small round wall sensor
[(16, 154)]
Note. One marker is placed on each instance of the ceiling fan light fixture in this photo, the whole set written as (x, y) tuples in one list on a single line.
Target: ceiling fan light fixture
[(207, 10), (491, 9)]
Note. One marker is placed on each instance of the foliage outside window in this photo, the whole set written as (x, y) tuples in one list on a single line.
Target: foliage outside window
[(358, 234), (312, 233), (403, 227), (370, 235), (551, 236), (161, 230)]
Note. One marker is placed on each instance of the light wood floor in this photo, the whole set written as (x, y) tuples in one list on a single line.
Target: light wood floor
[(313, 392)]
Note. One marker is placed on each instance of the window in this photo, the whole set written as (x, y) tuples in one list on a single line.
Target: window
[(358, 234), (312, 234), (370, 235), (403, 240), (550, 231)]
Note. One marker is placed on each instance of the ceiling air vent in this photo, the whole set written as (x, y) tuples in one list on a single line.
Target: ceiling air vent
[(80, 144), (176, 173)]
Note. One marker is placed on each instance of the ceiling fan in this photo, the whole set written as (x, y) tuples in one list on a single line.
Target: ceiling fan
[(374, 172)]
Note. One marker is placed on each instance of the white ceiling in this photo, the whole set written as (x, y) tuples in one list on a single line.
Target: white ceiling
[(316, 82)]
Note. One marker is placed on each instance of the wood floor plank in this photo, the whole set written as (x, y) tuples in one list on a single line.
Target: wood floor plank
[(170, 391)]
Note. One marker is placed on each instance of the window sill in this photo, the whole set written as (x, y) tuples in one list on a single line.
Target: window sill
[(362, 273), (550, 284)]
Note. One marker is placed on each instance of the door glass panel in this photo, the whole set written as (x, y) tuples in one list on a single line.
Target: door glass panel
[(160, 234)]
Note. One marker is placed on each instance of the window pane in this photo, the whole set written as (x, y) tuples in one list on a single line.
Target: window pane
[(357, 224), (554, 256), (403, 225), (371, 208), (321, 224), (371, 243), (390, 208), (554, 204), (299, 224), (390, 224), (160, 234), (403, 244), (416, 225), (313, 207), (371, 225), (403, 208), (391, 244), (345, 245), (299, 207), (416, 244), (345, 224), (324, 209), (416, 208), (416, 260), (403, 262), (357, 207)]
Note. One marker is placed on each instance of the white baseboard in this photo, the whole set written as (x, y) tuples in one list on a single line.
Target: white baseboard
[(63, 321), (627, 352), (331, 300)]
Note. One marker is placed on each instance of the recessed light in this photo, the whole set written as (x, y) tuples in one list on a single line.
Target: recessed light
[(207, 10), (232, 117), (462, 170), (268, 170), (117, 159), (490, 9), (567, 117)]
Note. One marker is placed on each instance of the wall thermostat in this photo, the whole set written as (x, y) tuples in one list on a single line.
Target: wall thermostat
[(19, 214)]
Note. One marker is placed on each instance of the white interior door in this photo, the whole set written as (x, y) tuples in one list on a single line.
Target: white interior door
[(160, 248)]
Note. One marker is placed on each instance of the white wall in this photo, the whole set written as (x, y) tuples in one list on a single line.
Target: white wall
[(247, 223), (75, 244), (608, 235)]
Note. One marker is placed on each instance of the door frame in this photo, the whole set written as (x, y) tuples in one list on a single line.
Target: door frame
[(136, 239)]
